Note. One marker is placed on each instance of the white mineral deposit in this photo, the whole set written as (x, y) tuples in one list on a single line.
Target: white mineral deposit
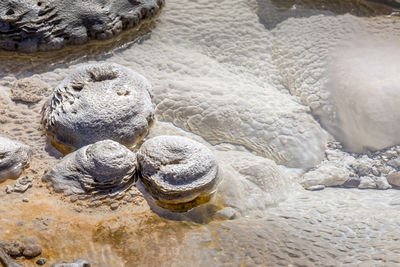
[(199, 133)]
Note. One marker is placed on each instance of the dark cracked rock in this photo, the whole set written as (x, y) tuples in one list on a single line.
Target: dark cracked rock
[(44, 25)]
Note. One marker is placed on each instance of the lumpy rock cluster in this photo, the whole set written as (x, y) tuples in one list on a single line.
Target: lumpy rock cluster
[(43, 25)]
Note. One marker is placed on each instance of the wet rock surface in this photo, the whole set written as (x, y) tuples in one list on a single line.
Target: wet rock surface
[(105, 166), (177, 170), (14, 157), (97, 102), (32, 26)]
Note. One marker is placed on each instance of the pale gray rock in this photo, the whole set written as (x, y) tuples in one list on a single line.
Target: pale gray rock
[(227, 213), (22, 184), (327, 175), (98, 102), (105, 166), (395, 163), (78, 263), (382, 183), (43, 25), (14, 157), (363, 166), (176, 169), (367, 183)]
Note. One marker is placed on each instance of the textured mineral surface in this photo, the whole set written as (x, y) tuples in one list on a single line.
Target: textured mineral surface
[(14, 157), (260, 99), (98, 102), (102, 166), (176, 169), (42, 25)]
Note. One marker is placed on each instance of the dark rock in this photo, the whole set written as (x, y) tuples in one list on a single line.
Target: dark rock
[(13, 248), (43, 25), (41, 261), (32, 250), (352, 182), (272, 12), (6, 260)]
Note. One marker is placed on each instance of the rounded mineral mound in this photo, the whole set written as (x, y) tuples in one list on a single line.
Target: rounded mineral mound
[(43, 25), (14, 157), (105, 166), (98, 102), (177, 170)]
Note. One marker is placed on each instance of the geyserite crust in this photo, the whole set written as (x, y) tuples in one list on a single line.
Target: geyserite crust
[(43, 25), (176, 169), (103, 166), (98, 102)]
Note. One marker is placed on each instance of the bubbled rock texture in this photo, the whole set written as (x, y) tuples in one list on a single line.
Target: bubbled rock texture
[(105, 166), (98, 102), (176, 169), (14, 157), (42, 25), (347, 72)]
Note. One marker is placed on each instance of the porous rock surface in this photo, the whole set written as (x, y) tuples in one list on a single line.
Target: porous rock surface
[(14, 157), (97, 102), (176, 169), (42, 25), (105, 166)]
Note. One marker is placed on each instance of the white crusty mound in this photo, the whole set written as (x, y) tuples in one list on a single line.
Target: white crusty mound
[(14, 157), (346, 69), (251, 183), (105, 166), (42, 25), (98, 102), (176, 169)]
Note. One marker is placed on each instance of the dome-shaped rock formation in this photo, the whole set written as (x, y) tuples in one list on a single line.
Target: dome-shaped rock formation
[(105, 166), (177, 170), (98, 102), (14, 157), (43, 25)]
